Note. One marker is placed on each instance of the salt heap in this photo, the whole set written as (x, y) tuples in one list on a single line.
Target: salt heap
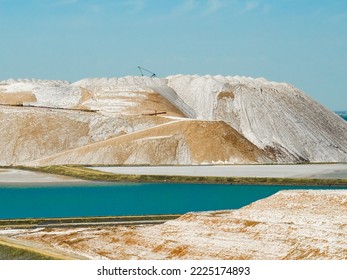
[(133, 118)]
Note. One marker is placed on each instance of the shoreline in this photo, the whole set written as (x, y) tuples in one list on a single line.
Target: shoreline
[(323, 171), (71, 175), (25, 223), (35, 251)]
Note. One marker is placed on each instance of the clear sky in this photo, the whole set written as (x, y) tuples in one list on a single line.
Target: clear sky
[(302, 42)]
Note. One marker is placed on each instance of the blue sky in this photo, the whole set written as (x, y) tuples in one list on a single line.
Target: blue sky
[(302, 42)]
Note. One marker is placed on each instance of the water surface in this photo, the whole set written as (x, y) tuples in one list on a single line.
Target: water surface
[(128, 199)]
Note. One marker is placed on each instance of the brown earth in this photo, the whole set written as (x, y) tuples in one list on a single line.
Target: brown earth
[(177, 142), (16, 98), (29, 133), (152, 103)]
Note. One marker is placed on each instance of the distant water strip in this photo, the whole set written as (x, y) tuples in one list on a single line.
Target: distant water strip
[(342, 114), (124, 199)]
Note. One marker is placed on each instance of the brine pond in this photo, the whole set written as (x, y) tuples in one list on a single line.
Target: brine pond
[(129, 199)]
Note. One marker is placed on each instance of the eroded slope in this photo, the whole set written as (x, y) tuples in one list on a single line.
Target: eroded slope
[(275, 117)]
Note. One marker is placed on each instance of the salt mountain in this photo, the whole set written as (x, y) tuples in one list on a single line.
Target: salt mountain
[(177, 120)]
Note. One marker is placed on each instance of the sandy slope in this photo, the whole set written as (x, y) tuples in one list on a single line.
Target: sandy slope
[(31, 133), (287, 225), (183, 142)]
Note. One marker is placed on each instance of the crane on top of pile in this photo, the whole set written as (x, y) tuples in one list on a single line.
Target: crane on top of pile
[(146, 70)]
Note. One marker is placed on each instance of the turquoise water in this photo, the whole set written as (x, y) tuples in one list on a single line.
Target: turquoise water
[(342, 114), (125, 199)]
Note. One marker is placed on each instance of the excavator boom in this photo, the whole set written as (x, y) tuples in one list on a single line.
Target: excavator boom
[(146, 70)]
